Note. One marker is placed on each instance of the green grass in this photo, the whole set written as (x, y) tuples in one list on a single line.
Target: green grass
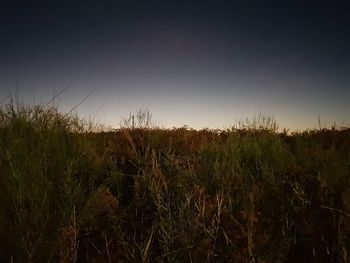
[(72, 193)]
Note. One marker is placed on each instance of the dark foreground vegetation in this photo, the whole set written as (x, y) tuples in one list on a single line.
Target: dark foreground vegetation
[(71, 194)]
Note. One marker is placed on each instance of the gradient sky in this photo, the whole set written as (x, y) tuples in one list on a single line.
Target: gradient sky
[(203, 64)]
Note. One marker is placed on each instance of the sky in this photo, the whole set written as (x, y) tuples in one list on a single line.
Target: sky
[(196, 63)]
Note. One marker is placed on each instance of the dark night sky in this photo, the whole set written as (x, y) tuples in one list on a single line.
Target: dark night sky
[(204, 64)]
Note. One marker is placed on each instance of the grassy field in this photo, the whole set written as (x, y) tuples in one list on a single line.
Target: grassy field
[(72, 193)]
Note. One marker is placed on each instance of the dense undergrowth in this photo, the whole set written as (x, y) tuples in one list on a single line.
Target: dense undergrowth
[(252, 194)]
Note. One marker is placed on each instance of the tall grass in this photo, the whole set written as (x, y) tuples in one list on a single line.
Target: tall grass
[(70, 193)]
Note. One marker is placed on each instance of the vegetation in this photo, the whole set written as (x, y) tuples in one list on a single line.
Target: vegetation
[(73, 193)]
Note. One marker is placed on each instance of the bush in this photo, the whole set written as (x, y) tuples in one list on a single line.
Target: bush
[(71, 193)]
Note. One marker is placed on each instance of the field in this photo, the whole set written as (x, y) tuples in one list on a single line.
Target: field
[(73, 193)]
